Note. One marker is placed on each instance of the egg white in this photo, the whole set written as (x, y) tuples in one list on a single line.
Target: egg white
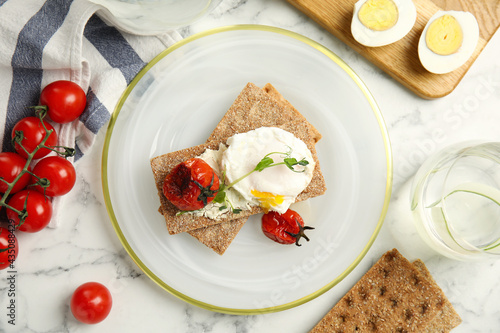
[(368, 37), (246, 150), (441, 64)]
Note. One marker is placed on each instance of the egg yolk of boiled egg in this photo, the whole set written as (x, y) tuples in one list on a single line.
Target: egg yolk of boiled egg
[(274, 188), (448, 41), (382, 22), (444, 36), (378, 14)]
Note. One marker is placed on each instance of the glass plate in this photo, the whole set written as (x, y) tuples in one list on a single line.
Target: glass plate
[(176, 101)]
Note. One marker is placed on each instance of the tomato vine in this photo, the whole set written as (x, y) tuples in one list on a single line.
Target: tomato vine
[(43, 182)]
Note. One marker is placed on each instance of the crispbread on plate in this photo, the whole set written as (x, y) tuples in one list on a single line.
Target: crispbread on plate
[(252, 109), (162, 165), (393, 296), (218, 237), (255, 107), (274, 93)]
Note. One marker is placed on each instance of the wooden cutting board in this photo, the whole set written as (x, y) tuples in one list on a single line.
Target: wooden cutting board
[(400, 59)]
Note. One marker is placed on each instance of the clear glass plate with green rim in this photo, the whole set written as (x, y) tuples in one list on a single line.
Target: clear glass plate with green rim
[(176, 101)]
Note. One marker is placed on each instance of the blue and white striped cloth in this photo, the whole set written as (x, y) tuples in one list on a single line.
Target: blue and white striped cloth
[(48, 40)]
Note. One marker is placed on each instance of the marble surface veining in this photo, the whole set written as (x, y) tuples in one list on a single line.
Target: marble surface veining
[(52, 263)]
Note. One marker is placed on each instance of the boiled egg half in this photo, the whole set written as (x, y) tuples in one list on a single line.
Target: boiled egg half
[(274, 188), (448, 41), (382, 22)]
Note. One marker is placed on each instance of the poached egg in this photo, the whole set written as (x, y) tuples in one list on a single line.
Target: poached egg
[(274, 188)]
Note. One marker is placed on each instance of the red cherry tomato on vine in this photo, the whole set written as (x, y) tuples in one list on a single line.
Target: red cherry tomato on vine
[(59, 171), (39, 210), (91, 303), (8, 248), (34, 133), (191, 185), (287, 228), (11, 165), (65, 101)]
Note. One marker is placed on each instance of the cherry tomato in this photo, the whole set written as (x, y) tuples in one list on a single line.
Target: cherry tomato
[(91, 303), (65, 101), (34, 133), (11, 165), (59, 171), (39, 210), (287, 228), (8, 248), (191, 185)]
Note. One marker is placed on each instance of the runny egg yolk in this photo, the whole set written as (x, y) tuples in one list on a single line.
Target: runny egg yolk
[(444, 35), (378, 15), (267, 199)]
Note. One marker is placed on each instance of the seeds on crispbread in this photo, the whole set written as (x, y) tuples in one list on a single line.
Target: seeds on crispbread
[(254, 108), (393, 296), (218, 237), (274, 93), (448, 318)]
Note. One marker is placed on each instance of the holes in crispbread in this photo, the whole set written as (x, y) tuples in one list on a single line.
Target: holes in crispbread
[(394, 297), (349, 301), (373, 323), (408, 314), (391, 256), (394, 302), (363, 294), (424, 307), (440, 303), (415, 279)]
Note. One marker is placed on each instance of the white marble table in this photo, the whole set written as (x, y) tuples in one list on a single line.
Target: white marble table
[(85, 247)]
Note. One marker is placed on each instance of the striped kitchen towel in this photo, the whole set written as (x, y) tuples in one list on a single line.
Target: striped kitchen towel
[(48, 40)]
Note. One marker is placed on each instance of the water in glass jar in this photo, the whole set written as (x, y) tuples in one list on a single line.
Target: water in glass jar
[(456, 202)]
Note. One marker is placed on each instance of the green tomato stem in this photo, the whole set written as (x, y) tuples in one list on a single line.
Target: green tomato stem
[(40, 112)]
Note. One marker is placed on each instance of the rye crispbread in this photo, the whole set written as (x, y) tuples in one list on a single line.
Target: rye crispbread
[(274, 93), (448, 318), (256, 108), (163, 164), (393, 296), (218, 237)]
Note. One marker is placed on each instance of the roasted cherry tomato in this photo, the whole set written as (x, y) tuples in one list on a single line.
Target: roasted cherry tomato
[(8, 248), (65, 101), (11, 165), (91, 303), (287, 228), (33, 134), (38, 207), (60, 174), (191, 185)]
